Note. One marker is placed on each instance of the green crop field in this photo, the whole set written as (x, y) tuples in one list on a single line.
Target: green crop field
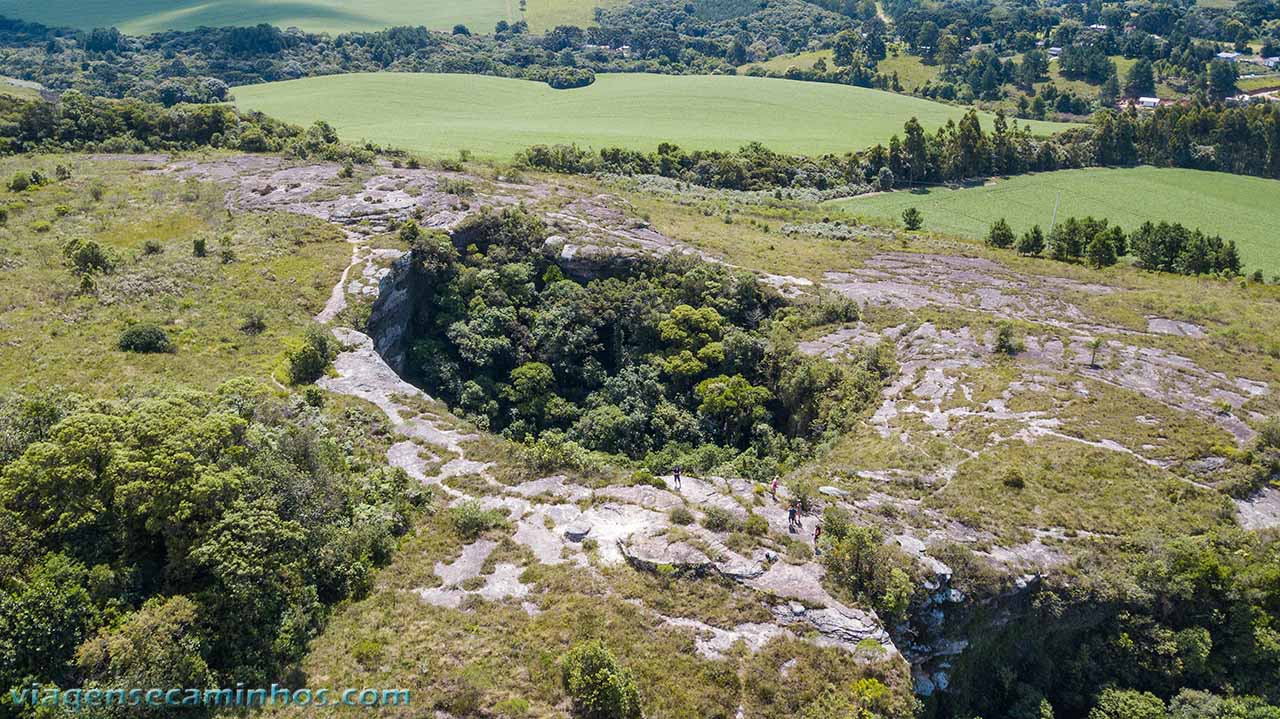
[(333, 16), (543, 15), (1244, 209), (495, 117)]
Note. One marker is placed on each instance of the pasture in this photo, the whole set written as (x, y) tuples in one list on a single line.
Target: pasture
[(495, 117), (1243, 209), (332, 16)]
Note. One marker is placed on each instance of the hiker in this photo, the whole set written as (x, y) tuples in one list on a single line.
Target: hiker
[(773, 488), (675, 476), (817, 535), (791, 518)]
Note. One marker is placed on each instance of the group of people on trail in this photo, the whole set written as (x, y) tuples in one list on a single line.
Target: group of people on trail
[(793, 516), (793, 509)]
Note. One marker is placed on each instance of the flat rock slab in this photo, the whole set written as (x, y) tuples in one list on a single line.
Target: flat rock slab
[(648, 553), (713, 642), (441, 597), (645, 496), (615, 521), (504, 583), (1162, 326), (557, 486), (1260, 511), (468, 565), (545, 544)]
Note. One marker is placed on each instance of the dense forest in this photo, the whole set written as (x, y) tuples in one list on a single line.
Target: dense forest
[(1184, 631), (80, 123), (668, 362), (183, 539)]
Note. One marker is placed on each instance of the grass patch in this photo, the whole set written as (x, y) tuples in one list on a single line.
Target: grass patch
[(1057, 483), (543, 15), (56, 333)]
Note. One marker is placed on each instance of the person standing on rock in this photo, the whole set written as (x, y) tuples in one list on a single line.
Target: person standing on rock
[(791, 517), (675, 476), (773, 488), (817, 535)]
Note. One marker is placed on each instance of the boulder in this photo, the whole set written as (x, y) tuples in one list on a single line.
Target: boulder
[(577, 531)]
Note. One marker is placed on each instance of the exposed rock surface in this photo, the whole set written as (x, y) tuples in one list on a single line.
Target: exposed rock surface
[(929, 397)]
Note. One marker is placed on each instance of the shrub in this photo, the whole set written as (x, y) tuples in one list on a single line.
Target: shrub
[(645, 477), (803, 491), (96, 191), (41, 226), (718, 519), (368, 653), (199, 247), (145, 339), (4, 215), (254, 323), (151, 247), (756, 525), (309, 357), (20, 181), (461, 188), (836, 521), (88, 256), (471, 520), (61, 210), (1006, 342), (681, 515), (597, 685), (912, 219), (313, 396)]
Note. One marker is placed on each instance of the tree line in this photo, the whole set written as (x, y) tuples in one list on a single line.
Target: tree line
[(1162, 246), (79, 123), (1239, 140)]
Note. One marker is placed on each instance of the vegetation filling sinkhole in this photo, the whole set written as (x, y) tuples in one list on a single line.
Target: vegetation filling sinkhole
[(656, 362)]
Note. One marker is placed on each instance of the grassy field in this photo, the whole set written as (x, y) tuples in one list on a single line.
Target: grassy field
[(55, 333), (495, 117), (1239, 208), (543, 15), (334, 16)]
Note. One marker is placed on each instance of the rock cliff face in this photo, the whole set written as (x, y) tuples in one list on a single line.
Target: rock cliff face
[(393, 313), (944, 623)]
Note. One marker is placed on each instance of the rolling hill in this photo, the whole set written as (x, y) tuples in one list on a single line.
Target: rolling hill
[(1239, 208), (494, 117), (333, 16)]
